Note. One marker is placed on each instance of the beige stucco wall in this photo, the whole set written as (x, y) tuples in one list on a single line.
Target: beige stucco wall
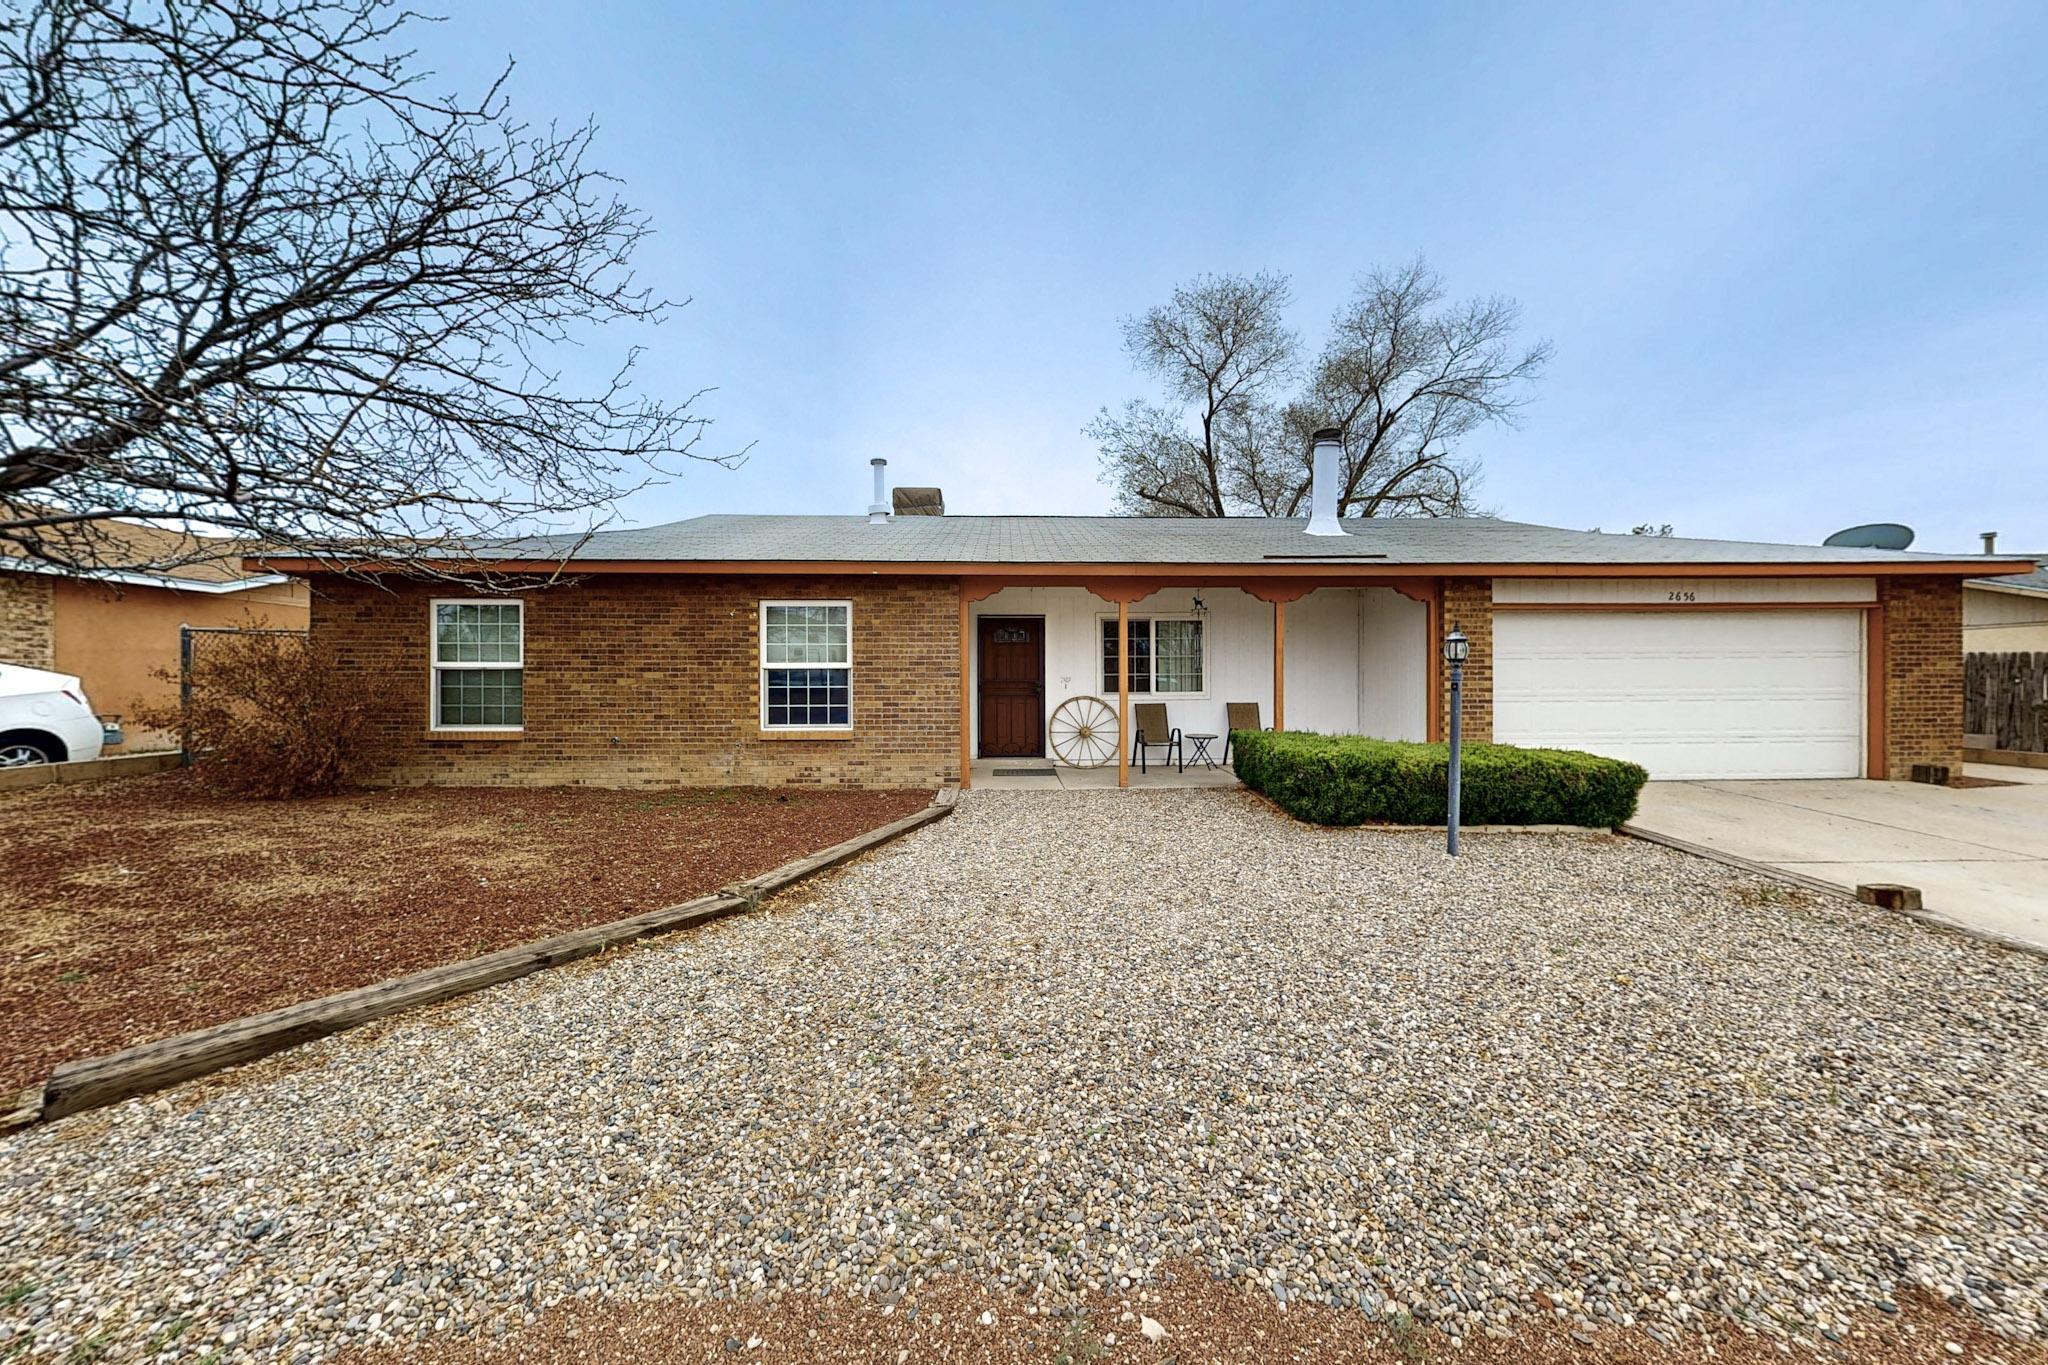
[(116, 638), (2004, 622)]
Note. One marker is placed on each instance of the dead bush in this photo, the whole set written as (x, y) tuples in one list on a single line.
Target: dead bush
[(271, 717)]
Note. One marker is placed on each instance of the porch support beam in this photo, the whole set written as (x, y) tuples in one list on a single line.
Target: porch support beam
[(1123, 694), (1279, 665), (1280, 594), (1123, 592)]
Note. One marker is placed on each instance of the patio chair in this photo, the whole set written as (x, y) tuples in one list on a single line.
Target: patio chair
[(1152, 732), (1239, 715)]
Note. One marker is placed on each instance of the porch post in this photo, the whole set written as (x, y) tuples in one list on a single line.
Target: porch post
[(1123, 694), (1432, 650), (1279, 665), (966, 698)]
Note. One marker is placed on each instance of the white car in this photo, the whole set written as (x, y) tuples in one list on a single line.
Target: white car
[(45, 718)]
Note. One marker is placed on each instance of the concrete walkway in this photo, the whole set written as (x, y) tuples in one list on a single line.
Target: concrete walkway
[(1038, 774), (1979, 855)]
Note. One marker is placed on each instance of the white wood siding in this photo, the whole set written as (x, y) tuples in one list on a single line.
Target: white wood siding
[(1394, 654), (2004, 622)]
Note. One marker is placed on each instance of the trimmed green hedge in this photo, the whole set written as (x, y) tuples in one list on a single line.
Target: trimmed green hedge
[(1352, 780)]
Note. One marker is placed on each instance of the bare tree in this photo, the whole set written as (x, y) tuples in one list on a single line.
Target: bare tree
[(1221, 352), (256, 279), (1405, 376)]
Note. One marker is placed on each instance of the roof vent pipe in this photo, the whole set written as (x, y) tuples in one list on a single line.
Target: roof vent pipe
[(1324, 449), (1990, 542), (878, 510)]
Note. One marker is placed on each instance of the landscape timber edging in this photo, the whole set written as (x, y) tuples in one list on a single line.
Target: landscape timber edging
[(2011, 758), (1933, 919), (93, 1082)]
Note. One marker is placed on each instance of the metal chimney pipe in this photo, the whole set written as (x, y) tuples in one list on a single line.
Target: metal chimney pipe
[(1990, 541), (878, 510), (1324, 449)]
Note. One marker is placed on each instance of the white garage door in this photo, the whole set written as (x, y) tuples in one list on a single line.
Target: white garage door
[(1686, 694)]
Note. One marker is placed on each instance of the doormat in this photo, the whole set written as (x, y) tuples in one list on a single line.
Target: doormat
[(1025, 772)]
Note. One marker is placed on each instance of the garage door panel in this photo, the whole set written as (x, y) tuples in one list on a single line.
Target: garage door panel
[(1707, 694)]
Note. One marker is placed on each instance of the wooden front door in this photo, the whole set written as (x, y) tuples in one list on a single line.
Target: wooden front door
[(1012, 686)]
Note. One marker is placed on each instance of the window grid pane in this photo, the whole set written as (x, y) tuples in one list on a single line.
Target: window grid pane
[(1178, 655), (808, 696), (1141, 655), (476, 632), (481, 696), (805, 634)]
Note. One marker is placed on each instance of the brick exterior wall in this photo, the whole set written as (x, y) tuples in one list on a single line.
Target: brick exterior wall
[(653, 680), (1923, 673), (28, 620), (1468, 606)]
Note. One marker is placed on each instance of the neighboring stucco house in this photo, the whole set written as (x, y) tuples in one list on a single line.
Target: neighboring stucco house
[(2007, 614), (905, 649), (116, 630)]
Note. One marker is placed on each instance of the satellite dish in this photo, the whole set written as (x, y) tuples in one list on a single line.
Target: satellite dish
[(1879, 535)]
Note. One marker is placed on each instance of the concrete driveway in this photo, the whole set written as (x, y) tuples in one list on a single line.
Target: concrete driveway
[(1979, 855)]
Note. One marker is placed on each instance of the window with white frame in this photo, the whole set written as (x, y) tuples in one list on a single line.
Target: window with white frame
[(807, 665), (1167, 656), (479, 665)]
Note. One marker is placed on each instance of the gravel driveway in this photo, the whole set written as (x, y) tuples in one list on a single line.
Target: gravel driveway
[(1060, 1038)]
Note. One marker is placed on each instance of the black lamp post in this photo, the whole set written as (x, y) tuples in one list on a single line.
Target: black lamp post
[(1456, 650)]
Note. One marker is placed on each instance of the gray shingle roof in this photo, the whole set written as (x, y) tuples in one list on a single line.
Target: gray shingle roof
[(1169, 541), (2037, 581)]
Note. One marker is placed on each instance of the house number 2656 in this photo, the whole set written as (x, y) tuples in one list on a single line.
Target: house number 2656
[(1681, 595)]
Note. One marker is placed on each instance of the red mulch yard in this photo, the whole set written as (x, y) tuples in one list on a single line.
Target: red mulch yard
[(1206, 1320), (143, 907)]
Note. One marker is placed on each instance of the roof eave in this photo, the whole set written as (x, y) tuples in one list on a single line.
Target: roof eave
[(2000, 585), (1360, 567), (129, 578)]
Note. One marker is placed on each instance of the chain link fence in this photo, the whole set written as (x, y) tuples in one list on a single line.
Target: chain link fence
[(192, 644)]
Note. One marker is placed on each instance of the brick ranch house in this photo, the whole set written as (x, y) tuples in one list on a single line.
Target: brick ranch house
[(896, 649)]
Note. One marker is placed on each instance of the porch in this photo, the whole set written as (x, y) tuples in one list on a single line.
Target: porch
[(1335, 657), (1031, 774)]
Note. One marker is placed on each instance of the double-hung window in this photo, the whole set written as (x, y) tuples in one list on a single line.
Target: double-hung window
[(479, 665), (806, 665), (1167, 656)]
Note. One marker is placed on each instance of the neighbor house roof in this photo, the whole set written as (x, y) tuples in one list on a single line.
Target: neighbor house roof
[(2028, 583), (155, 557), (1173, 542)]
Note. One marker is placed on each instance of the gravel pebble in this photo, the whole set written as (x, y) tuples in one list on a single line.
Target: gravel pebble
[(1061, 1039)]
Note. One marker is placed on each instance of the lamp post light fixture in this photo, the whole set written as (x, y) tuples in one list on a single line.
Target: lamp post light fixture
[(1456, 650)]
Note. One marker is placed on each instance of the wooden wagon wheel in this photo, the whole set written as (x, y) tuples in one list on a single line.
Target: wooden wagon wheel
[(1083, 732)]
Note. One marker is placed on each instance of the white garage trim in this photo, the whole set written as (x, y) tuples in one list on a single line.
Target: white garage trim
[(1683, 592), (1696, 693)]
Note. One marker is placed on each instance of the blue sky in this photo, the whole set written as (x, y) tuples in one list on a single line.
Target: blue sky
[(1794, 258)]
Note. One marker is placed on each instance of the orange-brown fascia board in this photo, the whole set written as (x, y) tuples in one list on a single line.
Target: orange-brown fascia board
[(1058, 574)]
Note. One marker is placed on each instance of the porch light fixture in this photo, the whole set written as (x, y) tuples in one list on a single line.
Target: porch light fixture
[(1457, 649)]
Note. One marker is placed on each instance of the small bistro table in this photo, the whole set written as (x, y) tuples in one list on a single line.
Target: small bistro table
[(1201, 753)]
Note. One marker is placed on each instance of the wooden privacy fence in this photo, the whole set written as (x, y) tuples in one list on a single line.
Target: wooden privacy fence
[(2003, 697)]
